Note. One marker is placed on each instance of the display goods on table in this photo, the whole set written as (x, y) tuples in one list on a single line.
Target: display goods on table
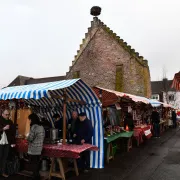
[(125, 134), (112, 134)]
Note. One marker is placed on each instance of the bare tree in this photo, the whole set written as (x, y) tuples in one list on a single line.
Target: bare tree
[(165, 85)]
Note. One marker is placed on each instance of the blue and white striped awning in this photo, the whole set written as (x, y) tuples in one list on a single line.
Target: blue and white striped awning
[(40, 95), (155, 103), (76, 89)]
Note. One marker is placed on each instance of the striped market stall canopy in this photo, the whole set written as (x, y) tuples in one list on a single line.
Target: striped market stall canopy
[(110, 96), (80, 96), (176, 82), (155, 103)]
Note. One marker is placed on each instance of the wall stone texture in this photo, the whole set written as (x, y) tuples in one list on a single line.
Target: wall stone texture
[(98, 60)]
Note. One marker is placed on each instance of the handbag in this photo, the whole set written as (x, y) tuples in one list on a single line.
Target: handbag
[(3, 140)]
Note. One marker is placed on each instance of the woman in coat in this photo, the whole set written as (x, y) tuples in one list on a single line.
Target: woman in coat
[(35, 143)]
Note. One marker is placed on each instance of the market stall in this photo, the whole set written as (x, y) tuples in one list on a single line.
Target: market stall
[(109, 140), (117, 104), (64, 96), (164, 110)]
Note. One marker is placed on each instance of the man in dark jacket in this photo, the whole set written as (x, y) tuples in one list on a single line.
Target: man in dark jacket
[(83, 134), (58, 124), (73, 123), (155, 117), (7, 126)]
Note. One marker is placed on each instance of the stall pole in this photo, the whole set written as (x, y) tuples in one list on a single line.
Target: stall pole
[(15, 113), (100, 96), (65, 100), (64, 116)]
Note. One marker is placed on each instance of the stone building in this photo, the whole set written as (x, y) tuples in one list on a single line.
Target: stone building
[(105, 60)]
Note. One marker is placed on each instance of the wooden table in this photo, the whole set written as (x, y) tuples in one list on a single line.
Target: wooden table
[(60, 152), (63, 153), (110, 139), (63, 167)]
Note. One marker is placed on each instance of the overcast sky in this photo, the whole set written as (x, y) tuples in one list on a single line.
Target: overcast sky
[(39, 38)]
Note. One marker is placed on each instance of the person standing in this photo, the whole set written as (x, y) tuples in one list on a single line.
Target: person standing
[(35, 143), (72, 123), (58, 124), (106, 119), (45, 123), (128, 121), (174, 118), (83, 134), (155, 117), (6, 126), (47, 126)]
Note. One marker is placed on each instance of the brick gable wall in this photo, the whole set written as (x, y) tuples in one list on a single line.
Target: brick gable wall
[(97, 65)]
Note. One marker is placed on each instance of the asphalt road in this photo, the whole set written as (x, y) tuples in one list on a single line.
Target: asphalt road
[(156, 159)]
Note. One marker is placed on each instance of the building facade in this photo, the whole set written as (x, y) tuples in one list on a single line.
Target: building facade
[(23, 80), (162, 91), (105, 60)]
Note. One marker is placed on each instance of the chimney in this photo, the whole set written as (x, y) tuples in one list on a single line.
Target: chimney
[(165, 84), (95, 22), (95, 11)]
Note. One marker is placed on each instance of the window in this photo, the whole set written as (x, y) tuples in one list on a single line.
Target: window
[(171, 97), (155, 96), (76, 74), (119, 78)]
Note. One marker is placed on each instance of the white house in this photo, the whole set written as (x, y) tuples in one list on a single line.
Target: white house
[(162, 91)]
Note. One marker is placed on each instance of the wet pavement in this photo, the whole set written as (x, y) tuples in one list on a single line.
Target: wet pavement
[(156, 159)]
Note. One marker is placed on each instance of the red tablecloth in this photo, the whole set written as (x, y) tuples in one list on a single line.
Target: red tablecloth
[(138, 135), (53, 150), (139, 132)]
